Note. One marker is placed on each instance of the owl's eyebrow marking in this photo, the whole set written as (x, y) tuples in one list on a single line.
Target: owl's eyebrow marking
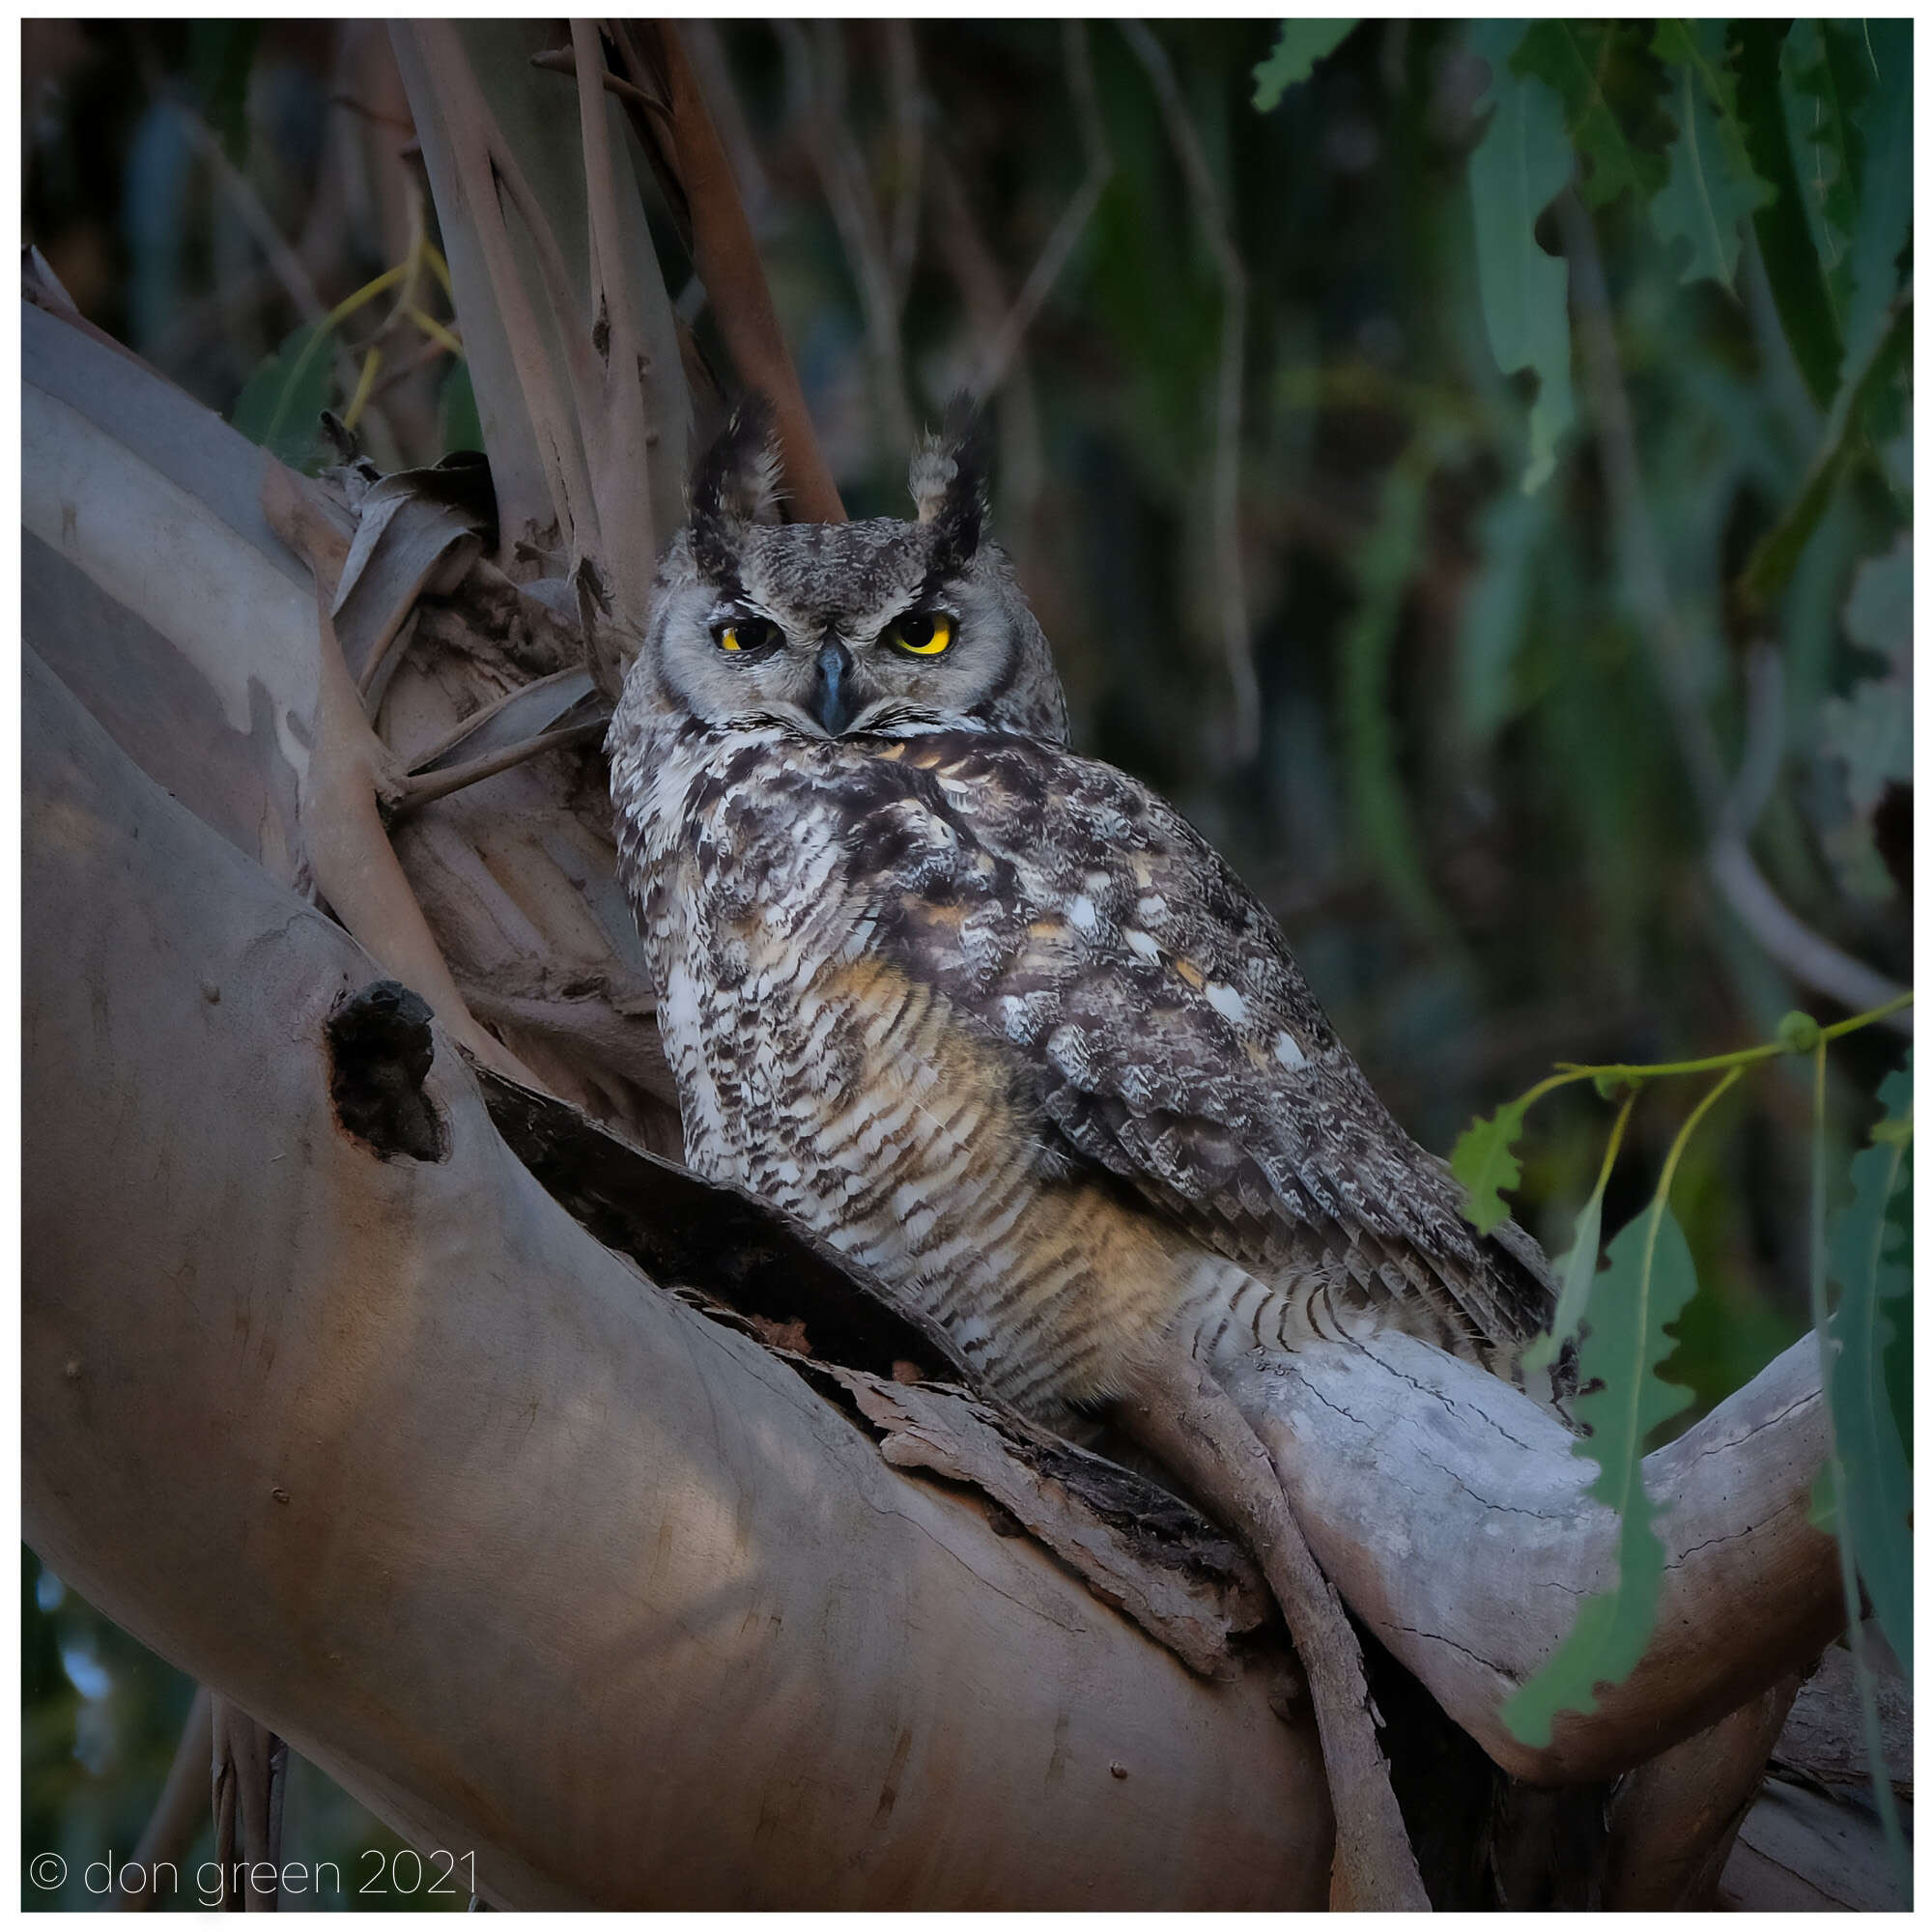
[(935, 580), (737, 607), (912, 599)]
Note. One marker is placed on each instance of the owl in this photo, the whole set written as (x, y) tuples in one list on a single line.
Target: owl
[(992, 1017)]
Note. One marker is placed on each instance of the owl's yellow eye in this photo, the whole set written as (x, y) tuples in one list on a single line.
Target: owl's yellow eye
[(923, 632), (747, 634)]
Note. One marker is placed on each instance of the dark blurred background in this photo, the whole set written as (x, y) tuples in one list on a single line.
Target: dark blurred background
[(1292, 578)]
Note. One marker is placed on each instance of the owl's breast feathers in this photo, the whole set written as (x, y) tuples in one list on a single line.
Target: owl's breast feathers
[(1155, 1027)]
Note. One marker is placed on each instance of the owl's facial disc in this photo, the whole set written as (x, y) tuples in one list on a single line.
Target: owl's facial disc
[(834, 637), (882, 627)]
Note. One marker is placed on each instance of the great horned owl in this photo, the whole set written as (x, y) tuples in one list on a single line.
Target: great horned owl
[(993, 1018)]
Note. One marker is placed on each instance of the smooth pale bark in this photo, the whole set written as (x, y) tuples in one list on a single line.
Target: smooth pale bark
[(1451, 1513), (537, 1561)]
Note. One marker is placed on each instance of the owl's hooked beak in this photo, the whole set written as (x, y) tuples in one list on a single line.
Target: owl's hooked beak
[(832, 703)]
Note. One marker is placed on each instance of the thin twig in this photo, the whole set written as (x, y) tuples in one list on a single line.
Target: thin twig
[(964, 249), (820, 81), (1207, 210), (180, 1810), (563, 60), (999, 354), (414, 792), (1186, 1419), (248, 1765), (1807, 955), (284, 264), (907, 94)]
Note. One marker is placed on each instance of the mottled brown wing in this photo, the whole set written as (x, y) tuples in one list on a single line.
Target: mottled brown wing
[(1158, 1024)]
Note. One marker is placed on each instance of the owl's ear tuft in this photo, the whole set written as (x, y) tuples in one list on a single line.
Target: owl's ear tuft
[(736, 483), (951, 482)]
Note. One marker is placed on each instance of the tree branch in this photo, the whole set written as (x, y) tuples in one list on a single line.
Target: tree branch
[(1452, 1516), (997, 356), (1231, 595), (817, 66), (726, 259)]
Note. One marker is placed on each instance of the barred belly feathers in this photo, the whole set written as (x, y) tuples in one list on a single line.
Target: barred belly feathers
[(992, 1017)]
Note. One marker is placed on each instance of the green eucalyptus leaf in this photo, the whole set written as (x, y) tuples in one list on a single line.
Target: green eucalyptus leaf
[(1484, 1160), (1649, 1281), (1576, 1270), (1807, 306), (1870, 729), (1882, 119), (1858, 410), (1878, 613), (1870, 1262), (456, 410), (1824, 79), (281, 404), (1301, 45), (1711, 187), (1583, 61), (1515, 534), (1523, 162)]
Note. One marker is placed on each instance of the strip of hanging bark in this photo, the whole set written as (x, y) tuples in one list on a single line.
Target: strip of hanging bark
[(482, 162), (1184, 1416), (249, 1770), (515, 718), (1135, 1547), (350, 776), (726, 259), (407, 545), (616, 432)]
